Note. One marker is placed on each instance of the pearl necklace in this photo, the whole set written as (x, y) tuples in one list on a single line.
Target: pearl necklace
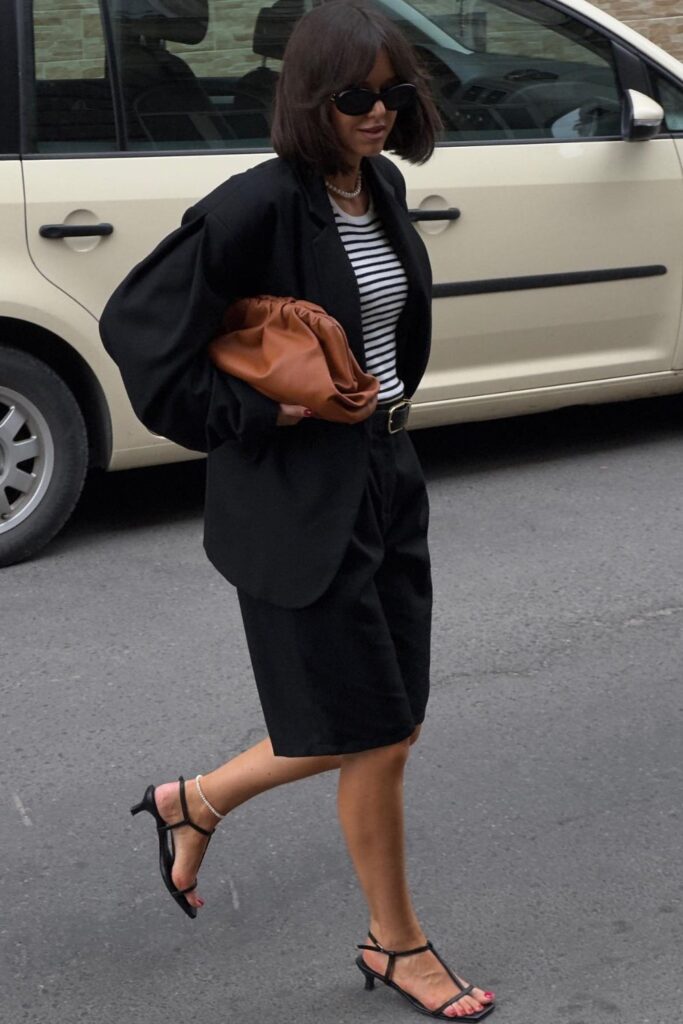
[(341, 192)]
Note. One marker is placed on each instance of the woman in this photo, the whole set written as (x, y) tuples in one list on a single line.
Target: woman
[(321, 526)]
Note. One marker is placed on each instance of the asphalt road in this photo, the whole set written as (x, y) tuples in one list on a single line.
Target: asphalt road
[(544, 797)]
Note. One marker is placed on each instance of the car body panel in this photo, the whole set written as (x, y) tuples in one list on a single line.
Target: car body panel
[(563, 208), (14, 259), (537, 400), (678, 356)]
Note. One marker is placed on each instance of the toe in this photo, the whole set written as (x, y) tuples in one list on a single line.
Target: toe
[(193, 898), (482, 998)]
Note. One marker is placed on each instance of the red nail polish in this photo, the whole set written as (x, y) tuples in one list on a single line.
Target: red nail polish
[(490, 995), (307, 412)]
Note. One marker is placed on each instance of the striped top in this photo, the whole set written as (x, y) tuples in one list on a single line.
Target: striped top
[(383, 287)]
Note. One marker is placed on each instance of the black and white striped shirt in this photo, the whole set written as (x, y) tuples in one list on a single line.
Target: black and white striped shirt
[(383, 288)]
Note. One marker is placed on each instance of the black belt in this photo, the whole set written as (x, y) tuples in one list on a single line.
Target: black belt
[(391, 417)]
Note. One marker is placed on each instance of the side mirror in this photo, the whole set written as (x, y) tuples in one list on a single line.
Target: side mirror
[(641, 116)]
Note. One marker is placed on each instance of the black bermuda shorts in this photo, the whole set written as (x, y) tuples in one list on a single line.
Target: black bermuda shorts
[(350, 671)]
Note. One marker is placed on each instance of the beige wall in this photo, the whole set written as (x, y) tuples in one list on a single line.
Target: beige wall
[(68, 41)]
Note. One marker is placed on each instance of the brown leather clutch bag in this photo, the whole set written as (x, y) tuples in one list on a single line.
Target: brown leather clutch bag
[(294, 352)]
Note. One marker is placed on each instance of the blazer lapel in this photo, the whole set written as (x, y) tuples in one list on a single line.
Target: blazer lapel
[(397, 225)]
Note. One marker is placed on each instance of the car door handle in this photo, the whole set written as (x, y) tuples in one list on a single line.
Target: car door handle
[(452, 213), (74, 230)]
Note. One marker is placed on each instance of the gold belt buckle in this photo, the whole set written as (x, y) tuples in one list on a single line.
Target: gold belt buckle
[(403, 404)]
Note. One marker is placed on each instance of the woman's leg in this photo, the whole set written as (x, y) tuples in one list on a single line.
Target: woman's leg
[(371, 815), (244, 776)]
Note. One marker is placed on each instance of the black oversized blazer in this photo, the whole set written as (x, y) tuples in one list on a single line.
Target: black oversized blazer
[(280, 502)]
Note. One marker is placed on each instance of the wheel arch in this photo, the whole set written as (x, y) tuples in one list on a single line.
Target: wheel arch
[(68, 364)]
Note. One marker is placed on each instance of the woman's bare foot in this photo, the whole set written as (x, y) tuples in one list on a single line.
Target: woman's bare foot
[(189, 844), (426, 979)]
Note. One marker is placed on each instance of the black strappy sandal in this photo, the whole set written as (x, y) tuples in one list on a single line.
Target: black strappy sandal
[(371, 976), (166, 848)]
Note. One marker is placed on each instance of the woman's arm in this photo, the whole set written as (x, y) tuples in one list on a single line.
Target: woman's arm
[(157, 325)]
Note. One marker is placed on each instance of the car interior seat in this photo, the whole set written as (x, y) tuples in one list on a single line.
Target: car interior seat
[(272, 30), (163, 98)]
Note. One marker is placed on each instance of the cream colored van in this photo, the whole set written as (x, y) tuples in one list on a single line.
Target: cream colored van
[(552, 209)]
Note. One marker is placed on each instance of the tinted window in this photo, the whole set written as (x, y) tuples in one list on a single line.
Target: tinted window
[(513, 69), (671, 98), (201, 74), (72, 107), (197, 75)]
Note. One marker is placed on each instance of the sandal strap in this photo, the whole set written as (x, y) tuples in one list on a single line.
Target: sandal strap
[(449, 1002), (393, 953), (190, 888), (452, 975), (185, 821), (186, 816), (378, 948)]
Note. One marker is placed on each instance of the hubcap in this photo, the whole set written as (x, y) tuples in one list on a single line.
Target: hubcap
[(27, 458)]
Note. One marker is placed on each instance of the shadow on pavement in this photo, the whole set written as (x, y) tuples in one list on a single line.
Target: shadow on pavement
[(497, 444)]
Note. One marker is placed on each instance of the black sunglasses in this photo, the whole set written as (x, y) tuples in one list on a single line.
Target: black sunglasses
[(361, 101)]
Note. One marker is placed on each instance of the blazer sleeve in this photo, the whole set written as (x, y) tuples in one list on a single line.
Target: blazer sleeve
[(157, 324)]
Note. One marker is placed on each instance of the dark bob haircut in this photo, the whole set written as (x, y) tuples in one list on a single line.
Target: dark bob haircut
[(331, 48)]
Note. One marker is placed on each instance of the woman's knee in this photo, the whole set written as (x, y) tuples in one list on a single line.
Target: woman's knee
[(391, 756)]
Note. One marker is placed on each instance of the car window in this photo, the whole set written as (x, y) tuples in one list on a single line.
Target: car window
[(70, 108), (200, 75), (513, 69), (671, 98)]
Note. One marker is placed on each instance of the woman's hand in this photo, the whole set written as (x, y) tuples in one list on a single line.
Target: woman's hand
[(290, 415)]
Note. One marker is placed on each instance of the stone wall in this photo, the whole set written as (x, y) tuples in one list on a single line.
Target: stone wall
[(68, 39), (658, 20), (68, 34)]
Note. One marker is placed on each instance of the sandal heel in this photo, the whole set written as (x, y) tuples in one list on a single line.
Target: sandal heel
[(369, 978), (148, 803)]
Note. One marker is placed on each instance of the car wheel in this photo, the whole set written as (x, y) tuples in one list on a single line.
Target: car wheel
[(43, 454)]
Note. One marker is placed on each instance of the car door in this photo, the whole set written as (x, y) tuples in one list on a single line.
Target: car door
[(104, 183), (564, 264)]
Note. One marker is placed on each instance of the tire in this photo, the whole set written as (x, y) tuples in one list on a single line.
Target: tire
[(43, 454)]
